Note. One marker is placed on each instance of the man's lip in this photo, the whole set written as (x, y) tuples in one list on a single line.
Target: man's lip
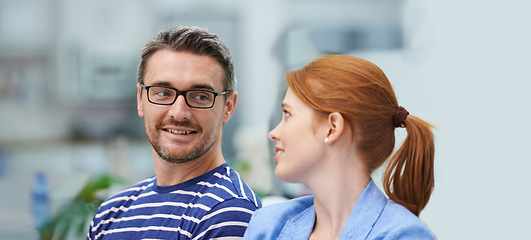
[(179, 130), (174, 131)]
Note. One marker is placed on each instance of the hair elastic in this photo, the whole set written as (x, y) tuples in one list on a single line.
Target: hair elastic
[(400, 117)]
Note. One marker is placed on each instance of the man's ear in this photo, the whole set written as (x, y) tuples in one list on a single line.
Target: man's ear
[(336, 126), (139, 106), (230, 106)]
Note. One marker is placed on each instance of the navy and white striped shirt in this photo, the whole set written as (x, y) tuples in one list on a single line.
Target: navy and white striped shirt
[(216, 205)]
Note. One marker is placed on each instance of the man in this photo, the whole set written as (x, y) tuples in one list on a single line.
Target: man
[(186, 92)]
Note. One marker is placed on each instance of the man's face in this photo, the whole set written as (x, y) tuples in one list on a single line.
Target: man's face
[(179, 133)]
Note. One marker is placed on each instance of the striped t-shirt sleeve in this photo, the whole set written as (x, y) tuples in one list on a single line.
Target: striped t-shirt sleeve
[(226, 220)]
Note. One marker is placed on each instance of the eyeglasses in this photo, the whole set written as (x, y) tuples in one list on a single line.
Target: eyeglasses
[(194, 98)]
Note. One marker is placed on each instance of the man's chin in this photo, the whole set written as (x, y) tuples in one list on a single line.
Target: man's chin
[(173, 157), (177, 160)]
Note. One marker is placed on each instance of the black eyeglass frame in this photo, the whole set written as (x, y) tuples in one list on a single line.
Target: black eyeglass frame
[(178, 93)]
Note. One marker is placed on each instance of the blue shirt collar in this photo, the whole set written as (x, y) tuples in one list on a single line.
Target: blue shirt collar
[(367, 210)]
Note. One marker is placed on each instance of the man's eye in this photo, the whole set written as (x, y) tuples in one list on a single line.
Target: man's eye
[(163, 93), (201, 96)]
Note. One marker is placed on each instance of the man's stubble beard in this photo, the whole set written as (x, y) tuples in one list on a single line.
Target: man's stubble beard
[(199, 150)]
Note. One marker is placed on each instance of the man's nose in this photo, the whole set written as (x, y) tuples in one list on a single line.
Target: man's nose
[(179, 109)]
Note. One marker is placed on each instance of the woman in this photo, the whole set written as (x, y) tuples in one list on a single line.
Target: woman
[(340, 115)]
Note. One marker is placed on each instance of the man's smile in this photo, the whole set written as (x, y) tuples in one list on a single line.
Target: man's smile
[(179, 132)]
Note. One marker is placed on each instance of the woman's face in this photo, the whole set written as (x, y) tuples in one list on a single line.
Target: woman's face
[(299, 141)]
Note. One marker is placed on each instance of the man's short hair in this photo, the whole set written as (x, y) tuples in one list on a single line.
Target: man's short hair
[(194, 40)]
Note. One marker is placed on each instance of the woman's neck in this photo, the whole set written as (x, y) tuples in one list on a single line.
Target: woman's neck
[(335, 196)]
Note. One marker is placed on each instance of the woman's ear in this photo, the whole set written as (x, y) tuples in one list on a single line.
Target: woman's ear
[(336, 126)]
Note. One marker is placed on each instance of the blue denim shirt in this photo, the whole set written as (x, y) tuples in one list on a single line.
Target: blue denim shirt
[(373, 217)]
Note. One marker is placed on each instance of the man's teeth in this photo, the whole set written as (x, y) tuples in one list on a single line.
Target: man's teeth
[(180, 132)]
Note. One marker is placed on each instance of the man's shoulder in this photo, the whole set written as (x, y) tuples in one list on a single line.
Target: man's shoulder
[(128, 194), (228, 201), (136, 188), (225, 183)]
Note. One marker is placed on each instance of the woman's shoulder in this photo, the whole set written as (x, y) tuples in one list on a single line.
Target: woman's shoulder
[(268, 222), (398, 221), (394, 211), (286, 209)]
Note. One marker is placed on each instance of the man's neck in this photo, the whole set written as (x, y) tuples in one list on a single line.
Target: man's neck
[(169, 174)]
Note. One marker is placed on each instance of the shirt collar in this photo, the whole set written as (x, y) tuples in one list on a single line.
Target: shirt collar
[(300, 226), (366, 211)]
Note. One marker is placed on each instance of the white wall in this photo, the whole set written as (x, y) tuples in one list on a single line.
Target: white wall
[(475, 85)]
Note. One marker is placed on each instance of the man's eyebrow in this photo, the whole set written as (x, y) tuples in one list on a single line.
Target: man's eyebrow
[(161, 83), (196, 86), (203, 87)]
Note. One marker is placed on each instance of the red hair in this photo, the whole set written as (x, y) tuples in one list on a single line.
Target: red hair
[(361, 92)]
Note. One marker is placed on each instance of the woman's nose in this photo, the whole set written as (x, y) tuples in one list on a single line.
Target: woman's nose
[(273, 134)]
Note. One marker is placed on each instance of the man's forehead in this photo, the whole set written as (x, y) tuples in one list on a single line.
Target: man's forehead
[(184, 70)]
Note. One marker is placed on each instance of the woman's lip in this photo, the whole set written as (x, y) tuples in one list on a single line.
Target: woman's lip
[(277, 156), (275, 159), (277, 149)]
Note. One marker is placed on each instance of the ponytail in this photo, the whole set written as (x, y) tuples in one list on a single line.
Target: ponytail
[(408, 178)]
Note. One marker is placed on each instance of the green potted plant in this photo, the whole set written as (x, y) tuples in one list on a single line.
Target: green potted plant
[(73, 218)]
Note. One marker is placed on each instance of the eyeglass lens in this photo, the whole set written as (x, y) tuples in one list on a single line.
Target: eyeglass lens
[(194, 98)]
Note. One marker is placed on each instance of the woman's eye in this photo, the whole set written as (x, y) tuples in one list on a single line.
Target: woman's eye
[(286, 114)]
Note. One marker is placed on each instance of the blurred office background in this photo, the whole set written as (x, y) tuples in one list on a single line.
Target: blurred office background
[(68, 108)]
